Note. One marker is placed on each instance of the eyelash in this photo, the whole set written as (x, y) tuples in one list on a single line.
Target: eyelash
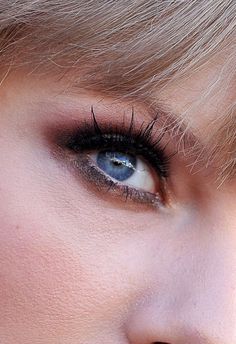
[(93, 136)]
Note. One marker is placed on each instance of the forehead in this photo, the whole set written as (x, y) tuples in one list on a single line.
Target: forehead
[(204, 96)]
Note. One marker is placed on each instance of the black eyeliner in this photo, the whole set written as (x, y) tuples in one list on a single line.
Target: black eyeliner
[(128, 139), (142, 139)]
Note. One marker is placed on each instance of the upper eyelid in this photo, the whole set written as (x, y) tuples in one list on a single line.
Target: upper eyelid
[(142, 139), (66, 116)]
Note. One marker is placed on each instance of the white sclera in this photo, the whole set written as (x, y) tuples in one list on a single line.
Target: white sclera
[(142, 178)]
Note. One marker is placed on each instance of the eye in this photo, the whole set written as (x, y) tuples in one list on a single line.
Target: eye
[(126, 168), (126, 161)]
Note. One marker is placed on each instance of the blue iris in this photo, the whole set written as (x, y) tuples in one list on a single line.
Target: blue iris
[(118, 165)]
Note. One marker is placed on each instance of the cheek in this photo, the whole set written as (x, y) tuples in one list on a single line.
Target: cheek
[(54, 272), (40, 278), (41, 275), (63, 254), (50, 282)]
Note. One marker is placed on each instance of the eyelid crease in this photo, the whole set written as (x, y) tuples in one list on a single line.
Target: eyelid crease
[(68, 116), (168, 122)]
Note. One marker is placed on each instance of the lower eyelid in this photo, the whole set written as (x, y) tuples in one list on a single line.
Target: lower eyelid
[(103, 184)]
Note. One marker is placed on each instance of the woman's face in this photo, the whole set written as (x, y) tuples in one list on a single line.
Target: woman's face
[(110, 232)]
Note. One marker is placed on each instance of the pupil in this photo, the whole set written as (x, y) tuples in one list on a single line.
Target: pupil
[(118, 165)]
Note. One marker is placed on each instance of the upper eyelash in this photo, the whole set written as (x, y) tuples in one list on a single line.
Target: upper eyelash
[(140, 141)]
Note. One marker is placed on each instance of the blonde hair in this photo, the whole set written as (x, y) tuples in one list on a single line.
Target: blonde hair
[(123, 48)]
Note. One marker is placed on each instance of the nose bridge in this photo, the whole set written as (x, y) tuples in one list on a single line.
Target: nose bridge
[(198, 307), (209, 280), (209, 288), (198, 302)]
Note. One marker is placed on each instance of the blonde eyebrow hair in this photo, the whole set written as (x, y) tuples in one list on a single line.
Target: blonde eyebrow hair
[(212, 152), (125, 48), (226, 153)]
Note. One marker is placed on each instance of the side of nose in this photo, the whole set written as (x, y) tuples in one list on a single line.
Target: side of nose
[(197, 304), (181, 315)]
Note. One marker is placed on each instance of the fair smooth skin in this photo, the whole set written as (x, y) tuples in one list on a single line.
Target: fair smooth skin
[(80, 266)]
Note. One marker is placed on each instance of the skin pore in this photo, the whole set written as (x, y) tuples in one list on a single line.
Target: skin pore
[(79, 264)]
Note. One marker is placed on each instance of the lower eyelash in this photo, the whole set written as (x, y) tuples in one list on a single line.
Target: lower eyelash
[(104, 183)]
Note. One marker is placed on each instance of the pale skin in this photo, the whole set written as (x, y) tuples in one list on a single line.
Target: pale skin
[(81, 266)]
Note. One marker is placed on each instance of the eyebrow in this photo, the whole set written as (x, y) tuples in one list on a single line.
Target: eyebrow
[(176, 127), (220, 148), (226, 133)]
